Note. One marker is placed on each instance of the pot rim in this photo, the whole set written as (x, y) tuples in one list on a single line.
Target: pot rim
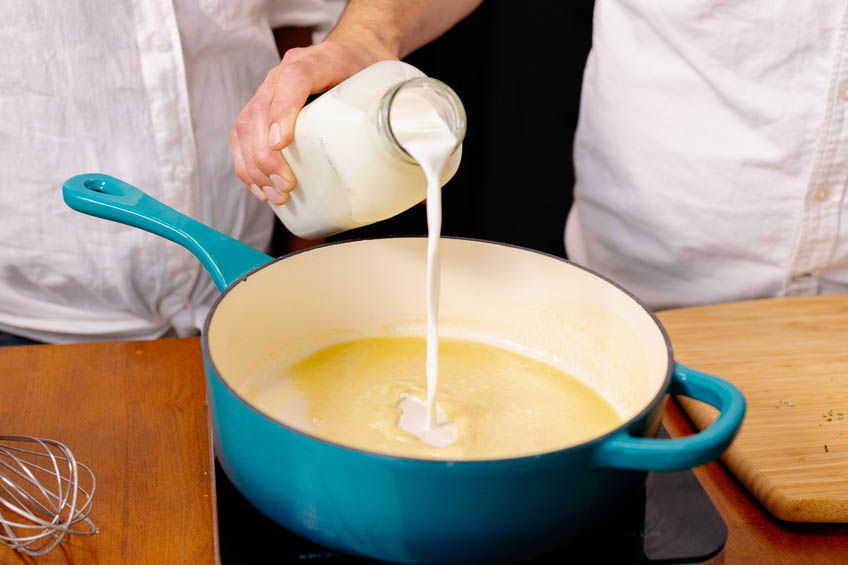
[(422, 460)]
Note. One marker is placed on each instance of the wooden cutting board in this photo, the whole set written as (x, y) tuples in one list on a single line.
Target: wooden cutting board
[(790, 359)]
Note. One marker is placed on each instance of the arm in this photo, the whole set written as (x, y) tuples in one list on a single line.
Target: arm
[(400, 27), (367, 31)]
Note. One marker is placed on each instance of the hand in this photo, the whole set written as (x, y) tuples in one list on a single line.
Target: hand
[(266, 124)]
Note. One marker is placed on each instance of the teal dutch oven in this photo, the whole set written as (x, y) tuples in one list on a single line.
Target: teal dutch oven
[(398, 509)]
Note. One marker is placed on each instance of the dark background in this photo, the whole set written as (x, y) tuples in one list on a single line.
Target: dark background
[(517, 66)]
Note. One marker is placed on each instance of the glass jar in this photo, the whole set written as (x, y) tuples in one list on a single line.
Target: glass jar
[(351, 169)]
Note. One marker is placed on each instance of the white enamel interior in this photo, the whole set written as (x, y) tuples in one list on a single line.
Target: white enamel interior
[(537, 305)]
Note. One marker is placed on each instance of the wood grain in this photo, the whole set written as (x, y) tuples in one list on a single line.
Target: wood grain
[(135, 413), (754, 536), (790, 359)]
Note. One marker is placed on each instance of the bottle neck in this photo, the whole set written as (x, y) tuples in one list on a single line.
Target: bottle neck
[(439, 96)]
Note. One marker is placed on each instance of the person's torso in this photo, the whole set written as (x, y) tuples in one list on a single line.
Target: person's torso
[(711, 154), (143, 90)]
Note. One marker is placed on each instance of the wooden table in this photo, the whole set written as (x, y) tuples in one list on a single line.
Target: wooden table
[(135, 412)]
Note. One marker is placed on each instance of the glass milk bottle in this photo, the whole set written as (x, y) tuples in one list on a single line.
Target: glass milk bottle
[(351, 170)]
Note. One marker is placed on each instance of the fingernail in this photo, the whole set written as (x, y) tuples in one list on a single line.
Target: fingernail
[(276, 135), (257, 192), (280, 183), (273, 195)]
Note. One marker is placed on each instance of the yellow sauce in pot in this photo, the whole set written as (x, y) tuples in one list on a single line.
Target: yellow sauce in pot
[(502, 403)]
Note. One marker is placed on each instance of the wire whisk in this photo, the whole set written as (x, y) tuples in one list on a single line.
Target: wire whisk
[(42, 496)]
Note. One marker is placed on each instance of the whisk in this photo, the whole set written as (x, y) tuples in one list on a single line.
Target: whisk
[(41, 497)]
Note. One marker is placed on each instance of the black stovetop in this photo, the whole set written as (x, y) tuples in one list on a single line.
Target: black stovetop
[(672, 520)]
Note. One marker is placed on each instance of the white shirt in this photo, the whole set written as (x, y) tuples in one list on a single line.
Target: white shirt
[(711, 153), (144, 90)]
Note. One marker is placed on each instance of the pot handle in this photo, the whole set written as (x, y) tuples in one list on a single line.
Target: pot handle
[(623, 451), (226, 259)]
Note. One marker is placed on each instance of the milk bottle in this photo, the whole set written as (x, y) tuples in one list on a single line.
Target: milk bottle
[(350, 168)]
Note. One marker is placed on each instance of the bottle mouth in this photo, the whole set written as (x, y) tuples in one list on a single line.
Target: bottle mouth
[(443, 99)]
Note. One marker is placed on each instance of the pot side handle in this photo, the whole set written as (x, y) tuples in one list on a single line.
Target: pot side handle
[(623, 451), (226, 259)]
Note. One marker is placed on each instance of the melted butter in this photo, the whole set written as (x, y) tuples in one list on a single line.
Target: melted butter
[(503, 404)]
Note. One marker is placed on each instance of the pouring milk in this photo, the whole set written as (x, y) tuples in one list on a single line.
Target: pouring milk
[(368, 149), (358, 153), (428, 140), (350, 169)]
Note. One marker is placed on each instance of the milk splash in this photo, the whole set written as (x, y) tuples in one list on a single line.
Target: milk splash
[(428, 140)]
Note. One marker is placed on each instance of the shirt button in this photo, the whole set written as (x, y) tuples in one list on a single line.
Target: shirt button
[(160, 42), (182, 173), (822, 194)]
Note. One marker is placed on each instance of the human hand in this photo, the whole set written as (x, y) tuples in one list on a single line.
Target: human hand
[(266, 124)]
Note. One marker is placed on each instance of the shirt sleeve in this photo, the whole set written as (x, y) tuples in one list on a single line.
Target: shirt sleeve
[(302, 13)]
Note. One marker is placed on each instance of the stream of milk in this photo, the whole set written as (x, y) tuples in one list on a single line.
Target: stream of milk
[(427, 139)]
